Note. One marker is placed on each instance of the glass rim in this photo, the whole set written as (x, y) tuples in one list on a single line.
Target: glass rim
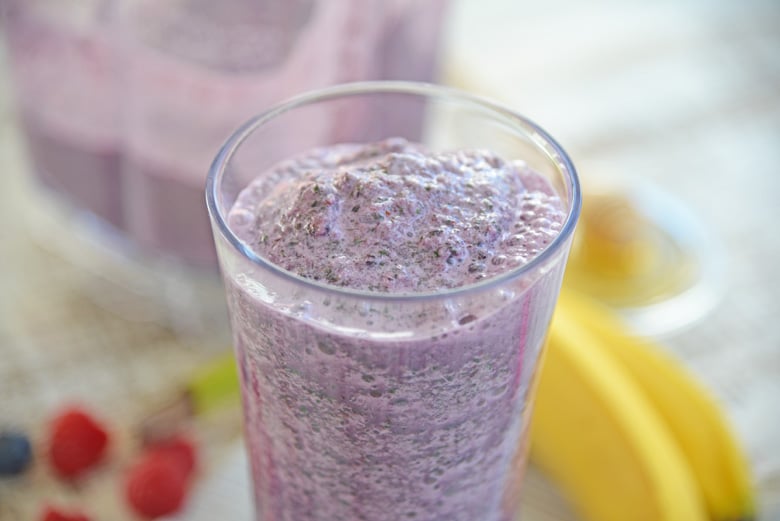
[(234, 141)]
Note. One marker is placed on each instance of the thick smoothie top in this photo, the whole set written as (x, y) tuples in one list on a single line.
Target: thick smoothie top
[(394, 217)]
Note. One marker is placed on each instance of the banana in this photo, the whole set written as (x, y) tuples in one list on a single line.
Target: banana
[(690, 413), (597, 435)]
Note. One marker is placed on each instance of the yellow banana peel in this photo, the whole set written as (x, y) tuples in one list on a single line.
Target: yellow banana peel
[(690, 412), (595, 433), (626, 431)]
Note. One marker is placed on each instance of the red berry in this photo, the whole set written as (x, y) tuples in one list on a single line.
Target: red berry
[(52, 514), (181, 450), (77, 443), (155, 486)]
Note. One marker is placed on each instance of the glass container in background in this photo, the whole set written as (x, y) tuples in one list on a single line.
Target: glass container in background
[(65, 65), (192, 69), (375, 406), (123, 104)]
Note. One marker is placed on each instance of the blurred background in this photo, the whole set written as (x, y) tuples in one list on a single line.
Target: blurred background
[(110, 113)]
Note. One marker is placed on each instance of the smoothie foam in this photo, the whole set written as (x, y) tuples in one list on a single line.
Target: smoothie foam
[(413, 410)]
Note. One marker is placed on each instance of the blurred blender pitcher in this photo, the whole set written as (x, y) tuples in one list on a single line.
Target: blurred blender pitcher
[(124, 103)]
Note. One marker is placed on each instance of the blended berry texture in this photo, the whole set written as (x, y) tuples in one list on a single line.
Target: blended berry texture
[(414, 410), (391, 217)]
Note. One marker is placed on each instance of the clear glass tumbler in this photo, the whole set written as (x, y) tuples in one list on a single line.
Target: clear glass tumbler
[(373, 406)]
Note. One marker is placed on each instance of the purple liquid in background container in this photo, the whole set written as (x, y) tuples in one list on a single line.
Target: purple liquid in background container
[(184, 104), (64, 68), (395, 40), (147, 91), (402, 390), (185, 98)]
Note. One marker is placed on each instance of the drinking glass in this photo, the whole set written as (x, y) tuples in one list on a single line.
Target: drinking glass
[(361, 405)]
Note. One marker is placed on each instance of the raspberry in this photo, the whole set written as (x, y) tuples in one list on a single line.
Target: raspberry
[(156, 485), (77, 442), (181, 450), (51, 514)]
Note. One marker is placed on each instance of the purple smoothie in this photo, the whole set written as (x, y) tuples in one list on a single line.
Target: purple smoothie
[(414, 409), (193, 71), (122, 114), (84, 174), (168, 216), (390, 40), (66, 86)]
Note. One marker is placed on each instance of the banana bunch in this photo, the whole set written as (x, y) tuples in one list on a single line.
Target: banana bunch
[(626, 432)]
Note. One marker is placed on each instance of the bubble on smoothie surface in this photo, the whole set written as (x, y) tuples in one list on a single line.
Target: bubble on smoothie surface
[(391, 216)]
